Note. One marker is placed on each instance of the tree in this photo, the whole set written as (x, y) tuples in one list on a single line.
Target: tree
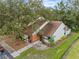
[(68, 14), (15, 15)]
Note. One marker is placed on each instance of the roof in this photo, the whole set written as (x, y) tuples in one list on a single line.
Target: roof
[(50, 28), (30, 29)]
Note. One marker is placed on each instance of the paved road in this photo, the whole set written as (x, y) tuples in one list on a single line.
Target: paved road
[(5, 55)]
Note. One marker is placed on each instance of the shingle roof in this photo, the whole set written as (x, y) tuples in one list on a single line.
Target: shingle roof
[(50, 28), (30, 29)]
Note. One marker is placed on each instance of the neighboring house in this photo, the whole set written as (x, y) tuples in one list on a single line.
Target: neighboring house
[(54, 29)]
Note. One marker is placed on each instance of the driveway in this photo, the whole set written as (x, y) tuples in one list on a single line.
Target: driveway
[(5, 55)]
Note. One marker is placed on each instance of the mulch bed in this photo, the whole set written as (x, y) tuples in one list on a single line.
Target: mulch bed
[(15, 44), (63, 39)]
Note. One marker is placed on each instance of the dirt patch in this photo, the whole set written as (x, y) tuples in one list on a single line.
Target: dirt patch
[(18, 44), (62, 40), (40, 46)]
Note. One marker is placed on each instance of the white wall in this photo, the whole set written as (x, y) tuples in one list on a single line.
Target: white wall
[(59, 32)]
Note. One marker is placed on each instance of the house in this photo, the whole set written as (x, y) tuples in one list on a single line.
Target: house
[(53, 29)]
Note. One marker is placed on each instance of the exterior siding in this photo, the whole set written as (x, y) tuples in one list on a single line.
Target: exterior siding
[(35, 37), (59, 33)]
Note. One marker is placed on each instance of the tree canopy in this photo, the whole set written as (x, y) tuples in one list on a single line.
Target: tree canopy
[(15, 15), (68, 12)]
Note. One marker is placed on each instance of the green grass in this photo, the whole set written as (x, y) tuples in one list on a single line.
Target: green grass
[(73, 52), (52, 53)]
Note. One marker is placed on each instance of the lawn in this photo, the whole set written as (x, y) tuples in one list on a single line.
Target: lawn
[(74, 51), (52, 53)]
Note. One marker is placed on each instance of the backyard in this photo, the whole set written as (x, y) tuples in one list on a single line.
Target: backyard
[(51, 53)]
